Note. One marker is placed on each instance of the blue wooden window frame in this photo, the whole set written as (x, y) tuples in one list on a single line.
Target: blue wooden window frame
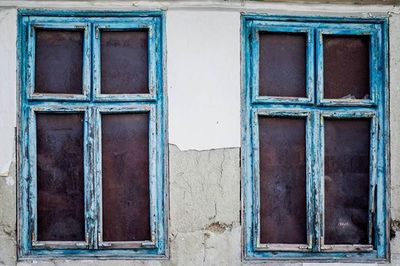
[(315, 109), (93, 104)]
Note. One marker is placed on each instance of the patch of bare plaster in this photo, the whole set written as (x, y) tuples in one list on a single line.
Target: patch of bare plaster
[(205, 206), (204, 188), (9, 175), (8, 230), (10, 181), (8, 240), (218, 227), (394, 227), (8, 202), (5, 172)]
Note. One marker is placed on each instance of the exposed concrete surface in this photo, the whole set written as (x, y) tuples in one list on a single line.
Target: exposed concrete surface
[(8, 219), (205, 201)]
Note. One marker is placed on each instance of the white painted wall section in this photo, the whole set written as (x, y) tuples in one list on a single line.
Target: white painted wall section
[(8, 94), (203, 79)]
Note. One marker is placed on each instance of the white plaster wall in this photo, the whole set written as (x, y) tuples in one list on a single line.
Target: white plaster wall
[(203, 66), (7, 88), (8, 100), (203, 83)]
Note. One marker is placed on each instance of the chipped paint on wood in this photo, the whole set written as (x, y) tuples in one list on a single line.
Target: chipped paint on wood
[(315, 108), (91, 103)]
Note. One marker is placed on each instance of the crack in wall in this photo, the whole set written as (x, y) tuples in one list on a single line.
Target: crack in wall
[(215, 212), (9, 231), (221, 173)]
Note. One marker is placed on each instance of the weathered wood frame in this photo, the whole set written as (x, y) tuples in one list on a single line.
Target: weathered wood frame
[(149, 24), (315, 108), (306, 115), (92, 106), (262, 26)]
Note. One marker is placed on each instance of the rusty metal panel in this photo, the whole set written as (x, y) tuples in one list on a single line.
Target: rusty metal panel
[(282, 180), (124, 62), (125, 177), (58, 61), (346, 66), (347, 169), (60, 177), (282, 64)]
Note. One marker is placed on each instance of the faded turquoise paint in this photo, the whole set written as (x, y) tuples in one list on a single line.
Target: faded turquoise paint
[(283, 27), (56, 23), (256, 113), (314, 108), (371, 30), (92, 104), (125, 24), (99, 110)]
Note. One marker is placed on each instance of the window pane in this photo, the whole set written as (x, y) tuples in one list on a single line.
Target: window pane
[(124, 62), (282, 180), (125, 163), (282, 64), (347, 144), (59, 60), (60, 177), (346, 67)]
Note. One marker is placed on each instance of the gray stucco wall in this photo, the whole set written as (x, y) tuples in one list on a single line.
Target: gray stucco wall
[(205, 227), (204, 211), (204, 214)]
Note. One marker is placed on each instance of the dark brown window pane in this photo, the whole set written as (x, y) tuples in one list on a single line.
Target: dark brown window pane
[(60, 177), (282, 67), (347, 144), (59, 61), (124, 62), (346, 67), (282, 180), (125, 159)]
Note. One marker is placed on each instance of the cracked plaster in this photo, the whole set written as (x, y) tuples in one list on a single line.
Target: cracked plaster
[(204, 185)]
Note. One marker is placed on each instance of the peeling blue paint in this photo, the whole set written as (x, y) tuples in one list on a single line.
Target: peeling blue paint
[(314, 108), (92, 103)]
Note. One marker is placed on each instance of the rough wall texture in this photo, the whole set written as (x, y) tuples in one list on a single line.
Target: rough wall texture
[(204, 211), (7, 135), (204, 185)]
